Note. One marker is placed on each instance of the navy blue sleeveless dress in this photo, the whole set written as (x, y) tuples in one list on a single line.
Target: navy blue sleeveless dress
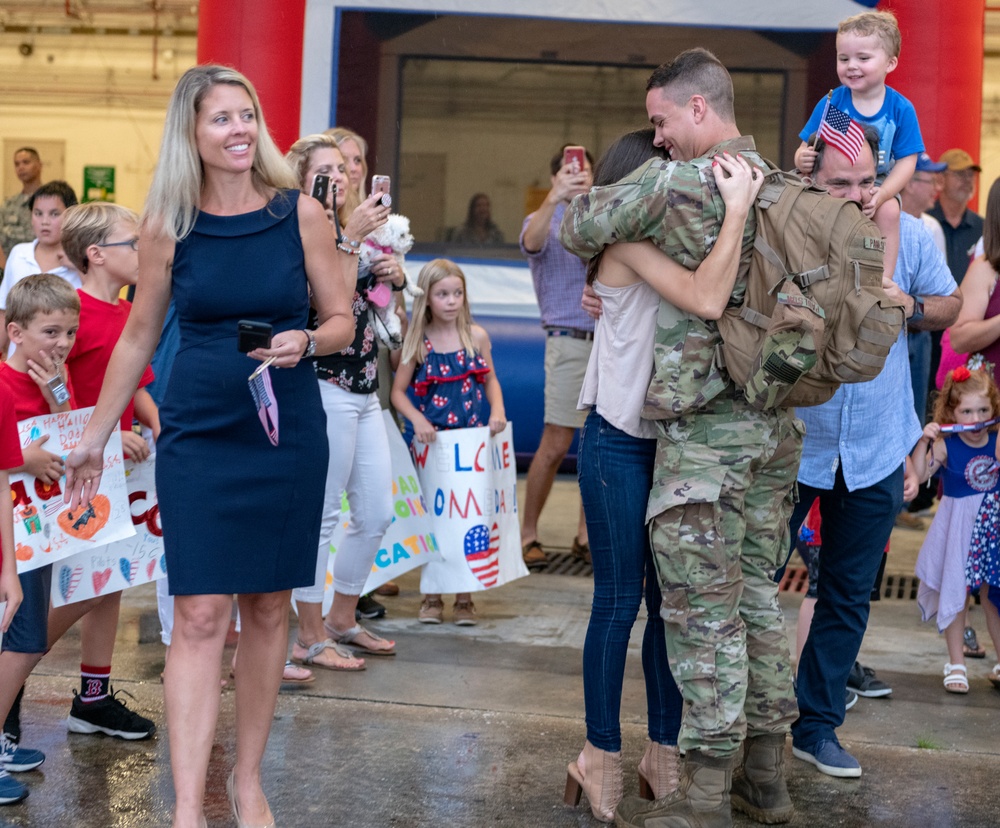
[(239, 514)]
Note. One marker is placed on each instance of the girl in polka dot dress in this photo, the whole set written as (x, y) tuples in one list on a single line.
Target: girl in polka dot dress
[(960, 551), (444, 378)]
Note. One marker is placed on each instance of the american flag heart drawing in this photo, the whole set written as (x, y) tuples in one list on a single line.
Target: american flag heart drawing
[(482, 548)]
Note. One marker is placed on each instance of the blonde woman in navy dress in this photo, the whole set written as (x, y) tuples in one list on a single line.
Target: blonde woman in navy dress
[(228, 236)]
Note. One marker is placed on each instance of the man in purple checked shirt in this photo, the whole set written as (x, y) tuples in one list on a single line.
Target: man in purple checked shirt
[(559, 278)]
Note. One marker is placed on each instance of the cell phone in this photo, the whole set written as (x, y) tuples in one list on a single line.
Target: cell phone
[(58, 388), (380, 184), (321, 188), (576, 156), (252, 335)]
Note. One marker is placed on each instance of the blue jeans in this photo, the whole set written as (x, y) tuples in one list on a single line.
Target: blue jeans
[(918, 344), (856, 526), (616, 474)]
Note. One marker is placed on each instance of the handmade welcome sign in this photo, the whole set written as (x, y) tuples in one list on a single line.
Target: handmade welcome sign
[(45, 528), (126, 563), (409, 541), (470, 482)]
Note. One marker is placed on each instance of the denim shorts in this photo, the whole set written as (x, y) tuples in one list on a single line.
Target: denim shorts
[(29, 631)]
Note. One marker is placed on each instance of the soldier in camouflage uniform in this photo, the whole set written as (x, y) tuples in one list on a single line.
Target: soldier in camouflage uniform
[(724, 475), (15, 215)]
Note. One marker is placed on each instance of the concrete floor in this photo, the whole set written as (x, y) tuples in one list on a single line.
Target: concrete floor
[(471, 727)]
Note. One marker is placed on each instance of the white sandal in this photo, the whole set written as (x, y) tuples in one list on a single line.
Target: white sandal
[(994, 676), (956, 678)]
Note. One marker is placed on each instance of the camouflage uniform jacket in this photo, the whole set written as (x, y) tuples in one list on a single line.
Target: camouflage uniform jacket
[(676, 204), (15, 222)]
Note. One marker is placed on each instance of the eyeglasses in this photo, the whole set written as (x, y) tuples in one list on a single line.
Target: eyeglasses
[(916, 180), (133, 243)]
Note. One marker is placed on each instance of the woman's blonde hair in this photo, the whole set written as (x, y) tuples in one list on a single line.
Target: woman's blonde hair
[(174, 196), (430, 274), (299, 157), (341, 134)]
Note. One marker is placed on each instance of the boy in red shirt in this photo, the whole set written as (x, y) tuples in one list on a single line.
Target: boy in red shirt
[(42, 316), (10, 584), (100, 240)]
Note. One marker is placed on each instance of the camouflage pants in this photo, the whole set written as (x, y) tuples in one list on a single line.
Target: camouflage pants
[(718, 519)]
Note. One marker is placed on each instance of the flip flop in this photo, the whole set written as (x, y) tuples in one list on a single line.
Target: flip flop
[(350, 638), (294, 674), (313, 652), (971, 648)]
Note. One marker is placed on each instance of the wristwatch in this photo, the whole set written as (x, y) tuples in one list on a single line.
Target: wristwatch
[(918, 310), (311, 347)]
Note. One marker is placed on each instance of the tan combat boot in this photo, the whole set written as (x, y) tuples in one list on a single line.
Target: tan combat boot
[(701, 800), (759, 789)]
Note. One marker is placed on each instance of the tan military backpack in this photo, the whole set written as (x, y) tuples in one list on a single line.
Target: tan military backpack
[(814, 314)]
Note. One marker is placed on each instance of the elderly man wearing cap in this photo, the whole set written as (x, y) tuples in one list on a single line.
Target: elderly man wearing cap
[(962, 227)]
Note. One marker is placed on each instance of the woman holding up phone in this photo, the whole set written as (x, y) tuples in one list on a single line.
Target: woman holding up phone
[(359, 447), (227, 235)]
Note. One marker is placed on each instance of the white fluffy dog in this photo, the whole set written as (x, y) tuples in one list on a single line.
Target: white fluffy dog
[(394, 238)]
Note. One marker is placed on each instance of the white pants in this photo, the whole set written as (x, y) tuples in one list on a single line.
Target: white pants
[(359, 463)]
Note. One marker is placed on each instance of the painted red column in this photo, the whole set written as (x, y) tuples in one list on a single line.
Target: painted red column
[(941, 69), (263, 40)]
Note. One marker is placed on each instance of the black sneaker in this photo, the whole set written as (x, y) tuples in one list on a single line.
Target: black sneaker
[(850, 699), (369, 608), (108, 716), (863, 682)]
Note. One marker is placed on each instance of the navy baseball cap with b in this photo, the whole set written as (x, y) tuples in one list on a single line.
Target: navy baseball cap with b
[(925, 164)]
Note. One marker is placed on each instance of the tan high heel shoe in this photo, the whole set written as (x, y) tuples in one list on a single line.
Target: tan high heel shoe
[(597, 773), (659, 771), (231, 790)]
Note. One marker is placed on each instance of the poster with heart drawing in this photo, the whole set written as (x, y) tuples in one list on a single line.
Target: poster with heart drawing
[(125, 563), (469, 480), (45, 528)]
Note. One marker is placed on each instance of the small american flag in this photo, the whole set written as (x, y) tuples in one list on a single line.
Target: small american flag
[(840, 131)]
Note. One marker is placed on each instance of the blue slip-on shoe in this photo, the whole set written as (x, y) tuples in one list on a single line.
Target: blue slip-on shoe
[(14, 759), (829, 758), (11, 790)]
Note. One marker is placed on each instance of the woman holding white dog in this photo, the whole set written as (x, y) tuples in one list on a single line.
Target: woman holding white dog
[(359, 447)]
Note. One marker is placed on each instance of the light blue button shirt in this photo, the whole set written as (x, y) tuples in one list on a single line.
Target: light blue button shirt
[(870, 427)]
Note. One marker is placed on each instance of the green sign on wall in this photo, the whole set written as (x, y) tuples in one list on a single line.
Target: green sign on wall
[(98, 184)]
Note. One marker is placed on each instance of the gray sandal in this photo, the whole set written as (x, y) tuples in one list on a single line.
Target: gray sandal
[(350, 638), (313, 651)]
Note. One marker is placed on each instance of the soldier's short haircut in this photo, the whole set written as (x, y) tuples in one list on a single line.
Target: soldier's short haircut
[(696, 72), (818, 144)]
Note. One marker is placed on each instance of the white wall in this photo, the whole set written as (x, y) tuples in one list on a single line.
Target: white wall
[(98, 95)]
